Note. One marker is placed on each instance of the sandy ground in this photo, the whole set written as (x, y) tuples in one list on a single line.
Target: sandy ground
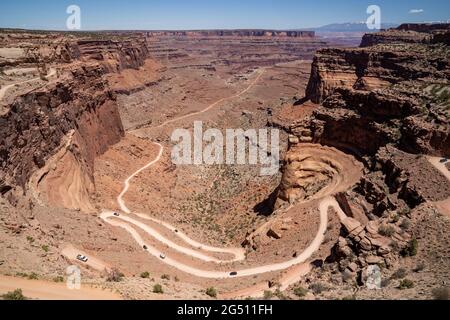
[(71, 253), (444, 205), (43, 290)]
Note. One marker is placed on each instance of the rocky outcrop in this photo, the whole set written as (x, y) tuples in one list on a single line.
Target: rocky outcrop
[(409, 33), (80, 107), (380, 94), (36, 123), (115, 56)]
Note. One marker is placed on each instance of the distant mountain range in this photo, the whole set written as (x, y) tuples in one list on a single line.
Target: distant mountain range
[(351, 27)]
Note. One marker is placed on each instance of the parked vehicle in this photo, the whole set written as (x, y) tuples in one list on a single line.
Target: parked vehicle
[(82, 258), (233, 274), (162, 256)]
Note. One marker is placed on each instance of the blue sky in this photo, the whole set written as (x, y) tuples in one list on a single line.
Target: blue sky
[(211, 14)]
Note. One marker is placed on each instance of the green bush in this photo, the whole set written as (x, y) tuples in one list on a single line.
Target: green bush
[(406, 284), (211, 292), (58, 279), (412, 249), (300, 292), (145, 275), (45, 248), (157, 288), (14, 295)]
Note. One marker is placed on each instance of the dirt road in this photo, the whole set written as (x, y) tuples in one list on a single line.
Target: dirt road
[(43, 290)]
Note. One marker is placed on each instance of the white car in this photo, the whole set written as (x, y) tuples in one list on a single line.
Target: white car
[(116, 214), (162, 256), (82, 258)]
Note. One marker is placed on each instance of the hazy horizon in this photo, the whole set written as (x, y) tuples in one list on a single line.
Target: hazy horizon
[(210, 15)]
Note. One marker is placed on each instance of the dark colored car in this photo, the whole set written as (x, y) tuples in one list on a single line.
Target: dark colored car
[(233, 274)]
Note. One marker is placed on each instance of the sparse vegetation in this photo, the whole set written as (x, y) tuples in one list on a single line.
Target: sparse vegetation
[(33, 276), (157, 288), (386, 230), (318, 288), (300, 292), (268, 295), (30, 239), (45, 248), (406, 284), (350, 298), (145, 275), (211, 292), (406, 224), (14, 295), (412, 249), (58, 279), (114, 276)]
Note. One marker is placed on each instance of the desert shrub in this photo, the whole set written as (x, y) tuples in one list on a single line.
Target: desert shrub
[(45, 248), (157, 288), (348, 298), (280, 295), (30, 239), (14, 295), (268, 295), (441, 294), (114, 276), (165, 277), (406, 224), (211, 292), (58, 279), (387, 231), (145, 275), (412, 248), (22, 274), (300, 292), (405, 212), (406, 284), (400, 274), (396, 218), (318, 288), (33, 276), (176, 279)]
